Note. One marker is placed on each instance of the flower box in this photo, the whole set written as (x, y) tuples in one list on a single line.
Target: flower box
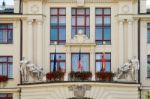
[(58, 75), (106, 76), (75, 76), (3, 78)]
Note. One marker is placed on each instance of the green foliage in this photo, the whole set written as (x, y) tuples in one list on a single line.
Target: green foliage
[(148, 95)]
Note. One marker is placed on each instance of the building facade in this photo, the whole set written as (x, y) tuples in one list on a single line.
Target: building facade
[(96, 37)]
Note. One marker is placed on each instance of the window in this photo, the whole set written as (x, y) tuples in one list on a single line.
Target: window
[(148, 33), (6, 33), (80, 21), (84, 61), (57, 25), (6, 66), (6, 96), (99, 63), (103, 25), (148, 66), (60, 62)]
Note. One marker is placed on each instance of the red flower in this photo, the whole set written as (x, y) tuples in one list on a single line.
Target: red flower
[(3, 78)]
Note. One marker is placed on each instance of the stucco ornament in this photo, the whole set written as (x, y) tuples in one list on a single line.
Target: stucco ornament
[(79, 90), (34, 9), (129, 71), (80, 37), (80, 2), (31, 72), (125, 9)]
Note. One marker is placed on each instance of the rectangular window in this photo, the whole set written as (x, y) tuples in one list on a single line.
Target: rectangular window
[(6, 33), (60, 62), (84, 61), (58, 25), (99, 63), (148, 65), (6, 96), (80, 21), (103, 25), (148, 33), (6, 66)]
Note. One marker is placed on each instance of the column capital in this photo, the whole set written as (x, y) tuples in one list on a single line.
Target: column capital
[(129, 21), (39, 21), (121, 20), (30, 21)]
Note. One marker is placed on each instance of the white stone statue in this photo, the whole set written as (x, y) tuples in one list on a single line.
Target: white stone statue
[(135, 68), (129, 71), (30, 70), (23, 69)]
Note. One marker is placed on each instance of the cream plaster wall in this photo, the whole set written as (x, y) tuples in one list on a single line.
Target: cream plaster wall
[(36, 45), (97, 91)]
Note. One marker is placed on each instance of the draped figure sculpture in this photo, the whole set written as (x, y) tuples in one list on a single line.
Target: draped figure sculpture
[(129, 71), (30, 70)]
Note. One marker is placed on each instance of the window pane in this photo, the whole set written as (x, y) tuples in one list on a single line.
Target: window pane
[(107, 11), (62, 34), (54, 33), (98, 20), (98, 56), (60, 61), (0, 69), (107, 20), (3, 26), (62, 20), (84, 62), (81, 11), (87, 11), (5, 36), (53, 11), (108, 56), (10, 71), (73, 11), (98, 66), (98, 33), (62, 66), (148, 36), (10, 36), (99, 11), (88, 32), (3, 59), (10, 26), (87, 21), (108, 66), (73, 32), (80, 20), (74, 62), (107, 33), (10, 59), (148, 25), (5, 69), (62, 11), (1, 36), (73, 20), (53, 20)]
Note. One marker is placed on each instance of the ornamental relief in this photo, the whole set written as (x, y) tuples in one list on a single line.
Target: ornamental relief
[(125, 9), (34, 9)]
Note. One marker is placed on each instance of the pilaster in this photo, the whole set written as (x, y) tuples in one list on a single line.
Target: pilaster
[(121, 42), (30, 40), (39, 42), (130, 40)]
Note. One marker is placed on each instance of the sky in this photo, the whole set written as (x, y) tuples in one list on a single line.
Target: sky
[(11, 2), (148, 2), (8, 2)]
